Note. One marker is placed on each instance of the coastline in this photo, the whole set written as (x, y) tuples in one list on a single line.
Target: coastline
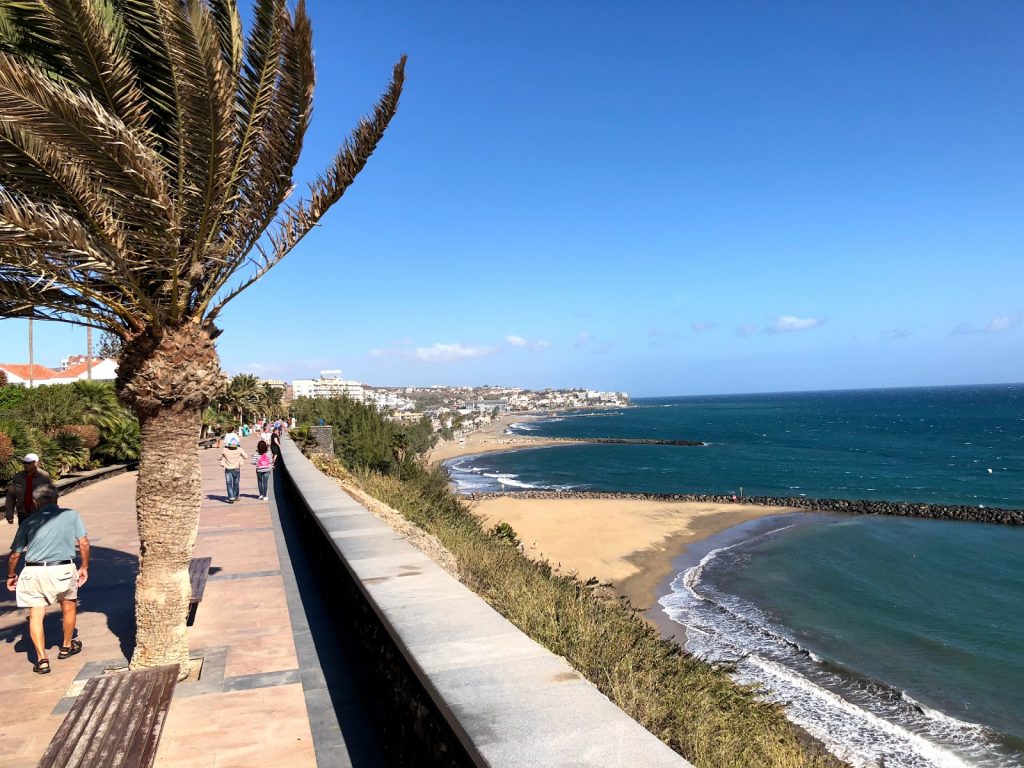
[(631, 544), (490, 439)]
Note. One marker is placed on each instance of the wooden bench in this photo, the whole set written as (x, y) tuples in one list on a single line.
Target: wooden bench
[(198, 570), (208, 442), (115, 721)]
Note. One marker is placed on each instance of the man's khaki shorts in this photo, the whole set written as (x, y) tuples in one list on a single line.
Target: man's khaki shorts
[(46, 585)]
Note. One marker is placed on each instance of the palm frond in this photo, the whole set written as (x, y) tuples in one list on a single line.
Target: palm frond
[(146, 146), (328, 188)]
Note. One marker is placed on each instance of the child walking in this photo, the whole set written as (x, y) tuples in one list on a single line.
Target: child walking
[(264, 466)]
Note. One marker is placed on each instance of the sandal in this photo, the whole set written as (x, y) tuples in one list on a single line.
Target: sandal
[(71, 650), (42, 667)]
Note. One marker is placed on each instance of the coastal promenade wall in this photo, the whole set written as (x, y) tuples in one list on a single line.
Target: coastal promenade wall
[(461, 684), (860, 507)]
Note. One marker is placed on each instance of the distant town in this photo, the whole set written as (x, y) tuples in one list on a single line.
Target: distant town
[(473, 405)]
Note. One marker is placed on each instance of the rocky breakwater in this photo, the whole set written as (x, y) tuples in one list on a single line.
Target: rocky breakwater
[(848, 506)]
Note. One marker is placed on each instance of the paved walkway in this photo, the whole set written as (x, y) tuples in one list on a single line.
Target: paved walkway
[(247, 709)]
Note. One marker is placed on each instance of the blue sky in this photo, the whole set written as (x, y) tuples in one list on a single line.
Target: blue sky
[(660, 197)]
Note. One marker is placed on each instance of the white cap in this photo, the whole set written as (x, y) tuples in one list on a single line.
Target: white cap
[(231, 439), (30, 458)]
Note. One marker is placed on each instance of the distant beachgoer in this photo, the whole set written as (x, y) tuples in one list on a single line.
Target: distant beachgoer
[(19, 492), (264, 466), (231, 458), (265, 434), (47, 539)]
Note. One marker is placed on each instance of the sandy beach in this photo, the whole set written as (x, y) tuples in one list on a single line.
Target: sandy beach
[(629, 543), (490, 439)]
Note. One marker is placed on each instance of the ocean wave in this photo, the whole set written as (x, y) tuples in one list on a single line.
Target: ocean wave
[(862, 721), (505, 478), (518, 427)]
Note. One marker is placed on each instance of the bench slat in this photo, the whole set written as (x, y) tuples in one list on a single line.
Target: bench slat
[(115, 722), (198, 570)]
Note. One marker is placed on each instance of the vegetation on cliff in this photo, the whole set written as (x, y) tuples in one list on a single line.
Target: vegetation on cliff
[(693, 706)]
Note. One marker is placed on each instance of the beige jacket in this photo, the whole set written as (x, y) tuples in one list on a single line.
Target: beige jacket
[(16, 493), (232, 458)]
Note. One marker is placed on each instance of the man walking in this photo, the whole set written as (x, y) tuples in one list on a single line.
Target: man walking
[(19, 492), (47, 539)]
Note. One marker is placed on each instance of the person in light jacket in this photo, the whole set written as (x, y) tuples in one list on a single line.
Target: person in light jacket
[(231, 458), (19, 492)]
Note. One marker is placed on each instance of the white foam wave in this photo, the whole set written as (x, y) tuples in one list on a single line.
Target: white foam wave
[(864, 724), (844, 731), (508, 479)]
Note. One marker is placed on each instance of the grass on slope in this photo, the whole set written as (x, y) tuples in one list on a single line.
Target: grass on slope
[(694, 707)]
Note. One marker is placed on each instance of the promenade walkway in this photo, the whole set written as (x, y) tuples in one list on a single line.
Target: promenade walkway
[(248, 708)]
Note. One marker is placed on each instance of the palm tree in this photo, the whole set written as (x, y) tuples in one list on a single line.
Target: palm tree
[(146, 153), (243, 395)]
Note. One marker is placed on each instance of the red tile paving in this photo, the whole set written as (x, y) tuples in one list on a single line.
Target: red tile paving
[(259, 727)]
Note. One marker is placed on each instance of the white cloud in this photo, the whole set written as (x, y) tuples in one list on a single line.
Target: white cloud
[(522, 343), (745, 330), (445, 353), (897, 333), (995, 325), (789, 323), (702, 325)]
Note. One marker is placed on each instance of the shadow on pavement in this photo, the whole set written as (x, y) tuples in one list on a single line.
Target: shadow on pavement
[(110, 591)]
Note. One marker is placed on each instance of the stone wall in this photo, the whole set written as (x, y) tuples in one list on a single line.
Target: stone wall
[(455, 682)]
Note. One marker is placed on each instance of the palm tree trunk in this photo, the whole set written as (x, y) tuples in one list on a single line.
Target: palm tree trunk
[(168, 380), (167, 506)]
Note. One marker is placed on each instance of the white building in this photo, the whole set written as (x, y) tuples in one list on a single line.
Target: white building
[(38, 375), (330, 384)]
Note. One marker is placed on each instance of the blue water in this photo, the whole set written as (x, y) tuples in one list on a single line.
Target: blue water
[(891, 639), (930, 445)]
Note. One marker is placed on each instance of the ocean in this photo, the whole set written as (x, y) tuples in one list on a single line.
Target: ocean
[(898, 642)]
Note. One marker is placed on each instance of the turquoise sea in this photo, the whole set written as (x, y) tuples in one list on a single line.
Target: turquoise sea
[(898, 642)]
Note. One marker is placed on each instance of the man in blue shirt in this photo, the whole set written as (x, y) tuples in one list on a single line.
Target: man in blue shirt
[(47, 538)]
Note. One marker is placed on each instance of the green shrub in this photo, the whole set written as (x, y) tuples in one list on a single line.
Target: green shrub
[(502, 531)]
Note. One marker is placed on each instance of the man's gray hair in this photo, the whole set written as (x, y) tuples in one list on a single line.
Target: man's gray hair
[(45, 495)]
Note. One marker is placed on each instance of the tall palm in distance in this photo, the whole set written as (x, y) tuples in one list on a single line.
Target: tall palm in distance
[(242, 396), (146, 154)]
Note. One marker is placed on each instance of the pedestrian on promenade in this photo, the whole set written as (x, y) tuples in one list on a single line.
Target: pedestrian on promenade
[(19, 492), (231, 458), (231, 436), (264, 460), (265, 433), (47, 539), (275, 443)]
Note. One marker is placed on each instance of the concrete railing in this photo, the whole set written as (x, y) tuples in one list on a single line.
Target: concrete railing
[(501, 699)]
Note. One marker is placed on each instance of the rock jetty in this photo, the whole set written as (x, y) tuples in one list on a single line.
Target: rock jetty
[(849, 506)]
